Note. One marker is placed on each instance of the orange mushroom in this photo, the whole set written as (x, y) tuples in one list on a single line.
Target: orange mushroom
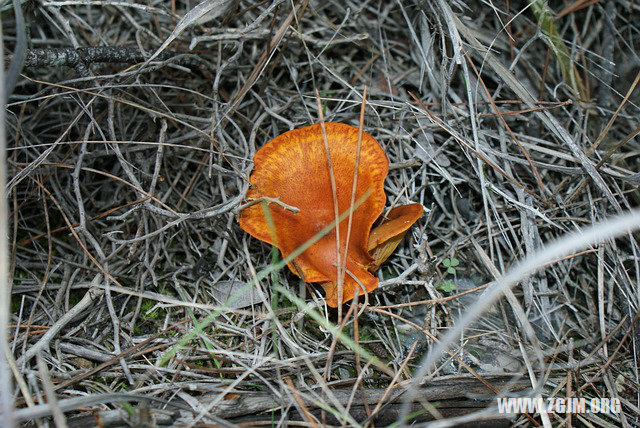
[(293, 168)]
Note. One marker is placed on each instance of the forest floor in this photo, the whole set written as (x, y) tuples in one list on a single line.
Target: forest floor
[(130, 132)]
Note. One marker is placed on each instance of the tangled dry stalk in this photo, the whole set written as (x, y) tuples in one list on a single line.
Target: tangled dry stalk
[(130, 132)]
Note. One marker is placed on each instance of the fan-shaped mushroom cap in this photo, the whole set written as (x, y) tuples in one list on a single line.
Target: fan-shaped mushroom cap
[(293, 167)]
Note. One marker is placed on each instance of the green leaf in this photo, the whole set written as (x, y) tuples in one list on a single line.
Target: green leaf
[(446, 286), (553, 39)]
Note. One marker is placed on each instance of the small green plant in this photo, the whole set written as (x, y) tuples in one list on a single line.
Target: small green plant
[(451, 264), (275, 296), (145, 307), (553, 39), (447, 284)]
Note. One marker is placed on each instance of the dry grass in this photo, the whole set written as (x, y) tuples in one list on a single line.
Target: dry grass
[(125, 179)]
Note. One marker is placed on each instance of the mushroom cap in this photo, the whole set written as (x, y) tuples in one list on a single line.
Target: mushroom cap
[(293, 168), (384, 238)]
